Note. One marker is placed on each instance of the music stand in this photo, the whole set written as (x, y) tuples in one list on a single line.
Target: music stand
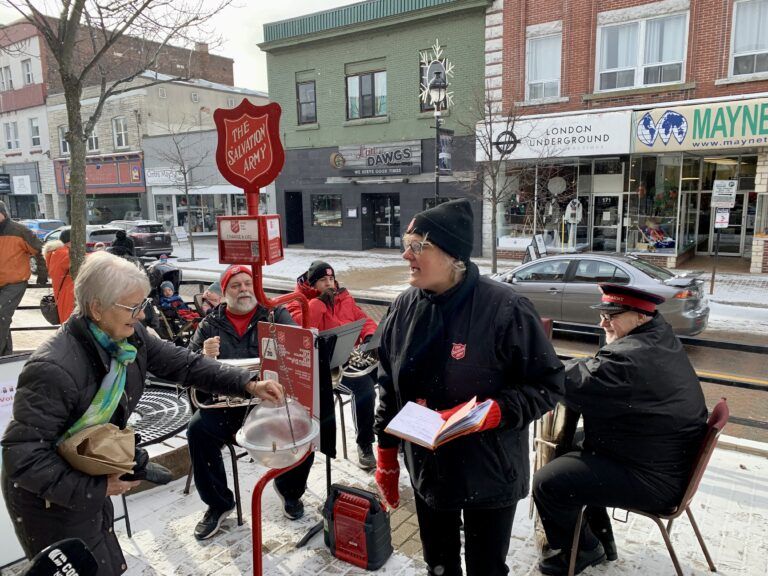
[(338, 344), (375, 340)]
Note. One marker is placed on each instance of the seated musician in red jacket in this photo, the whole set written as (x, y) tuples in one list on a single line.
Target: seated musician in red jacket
[(331, 306)]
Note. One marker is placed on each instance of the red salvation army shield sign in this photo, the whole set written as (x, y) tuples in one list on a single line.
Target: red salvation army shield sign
[(249, 152)]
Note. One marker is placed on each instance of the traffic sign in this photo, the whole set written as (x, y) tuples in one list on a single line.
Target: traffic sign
[(724, 194), (506, 142)]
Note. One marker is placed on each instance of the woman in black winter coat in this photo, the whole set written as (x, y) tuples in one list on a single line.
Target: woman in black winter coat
[(102, 341), (122, 245), (450, 337)]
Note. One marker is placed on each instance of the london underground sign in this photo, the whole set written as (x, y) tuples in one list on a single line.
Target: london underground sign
[(249, 152)]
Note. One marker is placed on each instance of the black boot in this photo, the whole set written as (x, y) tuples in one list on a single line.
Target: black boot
[(557, 565)]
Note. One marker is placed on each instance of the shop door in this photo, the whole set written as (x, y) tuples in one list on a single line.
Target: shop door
[(386, 221), (294, 218), (733, 238), (606, 223)]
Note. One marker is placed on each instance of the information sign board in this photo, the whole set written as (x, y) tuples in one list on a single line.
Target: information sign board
[(724, 193), (271, 238), (722, 216), (239, 240)]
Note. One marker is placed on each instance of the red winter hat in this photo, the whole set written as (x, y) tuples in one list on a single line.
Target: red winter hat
[(232, 271)]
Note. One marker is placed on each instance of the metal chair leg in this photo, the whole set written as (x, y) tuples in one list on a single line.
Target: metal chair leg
[(125, 517), (575, 543), (236, 481), (712, 567), (343, 425), (188, 485), (668, 542)]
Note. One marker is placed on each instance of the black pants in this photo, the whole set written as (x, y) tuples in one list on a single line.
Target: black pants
[(208, 430), (10, 297), (486, 537), (579, 479), (364, 398)]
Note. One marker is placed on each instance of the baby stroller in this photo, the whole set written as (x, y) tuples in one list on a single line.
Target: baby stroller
[(174, 325)]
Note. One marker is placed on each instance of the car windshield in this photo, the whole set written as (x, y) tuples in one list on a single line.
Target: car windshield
[(655, 272), (149, 229), (50, 225)]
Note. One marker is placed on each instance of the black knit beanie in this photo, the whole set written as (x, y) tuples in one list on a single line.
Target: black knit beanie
[(65, 236), (319, 269), (449, 225)]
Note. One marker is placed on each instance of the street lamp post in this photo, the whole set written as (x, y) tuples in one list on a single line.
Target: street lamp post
[(437, 89)]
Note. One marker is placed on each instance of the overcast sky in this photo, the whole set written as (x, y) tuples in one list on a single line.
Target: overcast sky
[(241, 27)]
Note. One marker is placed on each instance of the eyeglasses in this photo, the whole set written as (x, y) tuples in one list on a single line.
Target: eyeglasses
[(135, 310), (605, 316), (415, 246)]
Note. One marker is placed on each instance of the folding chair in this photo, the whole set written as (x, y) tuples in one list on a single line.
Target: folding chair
[(717, 421)]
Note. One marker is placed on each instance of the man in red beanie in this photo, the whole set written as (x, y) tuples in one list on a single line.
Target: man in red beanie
[(329, 307), (644, 420), (230, 331)]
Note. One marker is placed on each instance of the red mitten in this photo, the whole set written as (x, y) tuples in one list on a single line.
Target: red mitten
[(493, 418), (388, 475)]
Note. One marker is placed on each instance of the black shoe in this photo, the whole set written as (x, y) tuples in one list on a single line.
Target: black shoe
[(557, 565), (211, 522), (365, 458), (292, 509)]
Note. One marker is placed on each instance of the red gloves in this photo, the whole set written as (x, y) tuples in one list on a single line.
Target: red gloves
[(492, 419), (388, 475)]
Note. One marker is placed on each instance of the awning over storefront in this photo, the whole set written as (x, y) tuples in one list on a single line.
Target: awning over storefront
[(204, 190)]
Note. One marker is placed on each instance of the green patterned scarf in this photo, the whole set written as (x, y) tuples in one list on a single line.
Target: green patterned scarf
[(108, 395)]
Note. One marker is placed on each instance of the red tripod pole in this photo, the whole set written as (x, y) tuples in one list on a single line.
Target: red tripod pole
[(256, 511)]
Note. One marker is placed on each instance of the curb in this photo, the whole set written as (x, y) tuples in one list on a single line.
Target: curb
[(742, 445)]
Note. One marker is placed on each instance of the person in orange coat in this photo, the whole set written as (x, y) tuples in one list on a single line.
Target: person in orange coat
[(331, 306), (56, 254)]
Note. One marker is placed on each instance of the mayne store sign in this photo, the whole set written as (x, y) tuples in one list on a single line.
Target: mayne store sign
[(735, 124)]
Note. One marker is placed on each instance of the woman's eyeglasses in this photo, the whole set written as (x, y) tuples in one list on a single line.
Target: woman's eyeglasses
[(415, 246), (135, 310)]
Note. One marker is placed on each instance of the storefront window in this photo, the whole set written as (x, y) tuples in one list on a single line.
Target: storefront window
[(653, 204), (164, 211), (240, 206), (326, 210), (104, 209)]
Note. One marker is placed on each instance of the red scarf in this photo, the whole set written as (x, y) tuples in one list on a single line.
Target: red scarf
[(240, 321)]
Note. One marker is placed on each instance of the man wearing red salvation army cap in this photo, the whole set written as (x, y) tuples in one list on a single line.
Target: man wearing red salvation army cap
[(644, 420), (229, 331)]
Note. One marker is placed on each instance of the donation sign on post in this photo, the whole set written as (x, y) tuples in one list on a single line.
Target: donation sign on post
[(722, 217), (271, 238), (239, 239), (290, 357)]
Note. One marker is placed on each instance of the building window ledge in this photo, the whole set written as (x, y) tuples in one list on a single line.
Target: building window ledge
[(312, 126), (760, 76), (543, 101), (9, 154), (36, 151), (365, 121), (639, 91)]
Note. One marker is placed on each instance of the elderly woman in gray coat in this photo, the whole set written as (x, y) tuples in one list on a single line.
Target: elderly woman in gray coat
[(102, 348)]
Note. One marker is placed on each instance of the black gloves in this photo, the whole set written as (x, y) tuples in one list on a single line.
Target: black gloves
[(146, 470)]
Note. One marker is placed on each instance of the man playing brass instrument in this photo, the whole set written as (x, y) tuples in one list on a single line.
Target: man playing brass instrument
[(229, 331)]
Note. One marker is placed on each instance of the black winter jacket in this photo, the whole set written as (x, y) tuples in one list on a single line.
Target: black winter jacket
[(506, 356), (642, 405), (55, 388), (232, 346)]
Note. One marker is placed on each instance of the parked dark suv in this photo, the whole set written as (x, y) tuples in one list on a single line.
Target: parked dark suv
[(149, 237)]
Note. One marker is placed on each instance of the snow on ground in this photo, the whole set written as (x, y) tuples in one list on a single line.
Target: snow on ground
[(727, 317)]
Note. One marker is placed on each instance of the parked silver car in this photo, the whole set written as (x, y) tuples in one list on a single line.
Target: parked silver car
[(564, 287)]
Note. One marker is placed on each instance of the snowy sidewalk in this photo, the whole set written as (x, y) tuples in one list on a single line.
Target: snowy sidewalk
[(731, 508)]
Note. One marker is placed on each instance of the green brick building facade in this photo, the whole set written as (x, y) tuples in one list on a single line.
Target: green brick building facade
[(360, 146)]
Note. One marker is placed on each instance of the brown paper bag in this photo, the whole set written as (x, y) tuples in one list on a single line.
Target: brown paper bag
[(99, 450)]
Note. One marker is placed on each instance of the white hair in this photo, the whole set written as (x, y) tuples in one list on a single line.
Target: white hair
[(106, 278)]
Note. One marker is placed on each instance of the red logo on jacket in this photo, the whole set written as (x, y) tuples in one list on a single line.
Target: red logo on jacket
[(458, 351)]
